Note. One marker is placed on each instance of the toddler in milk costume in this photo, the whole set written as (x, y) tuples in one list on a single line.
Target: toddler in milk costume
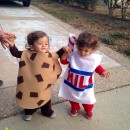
[(78, 81)]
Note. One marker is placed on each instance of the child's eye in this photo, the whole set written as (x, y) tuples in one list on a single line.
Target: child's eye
[(80, 49)]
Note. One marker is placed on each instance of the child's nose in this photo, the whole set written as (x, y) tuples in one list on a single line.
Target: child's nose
[(43, 44), (83, 52)]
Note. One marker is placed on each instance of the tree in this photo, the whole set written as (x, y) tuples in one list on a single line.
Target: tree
[(113, 4), (88, 4), (124, 6)]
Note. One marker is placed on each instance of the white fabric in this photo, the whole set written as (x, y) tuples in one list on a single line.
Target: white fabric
[(85, 64)]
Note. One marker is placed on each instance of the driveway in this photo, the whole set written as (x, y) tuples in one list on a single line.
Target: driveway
[(20, 20)]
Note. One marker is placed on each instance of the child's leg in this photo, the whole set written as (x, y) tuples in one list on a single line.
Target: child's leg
[(88, 109), (29, 111), (74, 105), (74, 108), (47, 110)]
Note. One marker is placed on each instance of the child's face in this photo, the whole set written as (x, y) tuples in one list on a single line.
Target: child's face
[(84, 51), (41, 45)]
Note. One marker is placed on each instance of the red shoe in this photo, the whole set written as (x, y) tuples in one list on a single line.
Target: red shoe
[(73, 112), (89, 115)]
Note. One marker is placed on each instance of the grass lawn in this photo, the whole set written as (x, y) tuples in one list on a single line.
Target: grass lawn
[(112, 31)]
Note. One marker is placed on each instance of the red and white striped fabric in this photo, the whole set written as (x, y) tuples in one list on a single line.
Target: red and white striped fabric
[(72, 40)]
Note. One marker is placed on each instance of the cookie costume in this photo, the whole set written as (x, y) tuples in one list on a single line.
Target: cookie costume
[(37, 73)]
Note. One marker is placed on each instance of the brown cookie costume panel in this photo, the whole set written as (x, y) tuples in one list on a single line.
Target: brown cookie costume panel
[(37, 72)]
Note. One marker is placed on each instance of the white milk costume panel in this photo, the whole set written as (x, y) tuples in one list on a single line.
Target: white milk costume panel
[(75, 82)]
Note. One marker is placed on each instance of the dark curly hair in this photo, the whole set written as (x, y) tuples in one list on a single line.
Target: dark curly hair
[(34, 36), (88, 40)]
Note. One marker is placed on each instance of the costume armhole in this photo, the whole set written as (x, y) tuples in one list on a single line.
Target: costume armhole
[(55, 56)]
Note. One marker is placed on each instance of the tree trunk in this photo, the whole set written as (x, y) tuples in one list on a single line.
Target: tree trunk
[(123, 10)]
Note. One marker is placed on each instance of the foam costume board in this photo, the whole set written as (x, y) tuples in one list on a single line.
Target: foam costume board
[(75, 85), (37, 73)]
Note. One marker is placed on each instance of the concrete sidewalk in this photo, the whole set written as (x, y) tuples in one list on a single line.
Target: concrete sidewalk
[(111, 112)]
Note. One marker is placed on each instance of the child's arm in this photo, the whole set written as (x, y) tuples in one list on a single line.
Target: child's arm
[(14, 50), (63, 50), (102, 72), (63, 59), (68, 49), (67, 52)]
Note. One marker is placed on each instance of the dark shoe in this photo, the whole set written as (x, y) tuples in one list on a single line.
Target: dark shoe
[(1, 82)]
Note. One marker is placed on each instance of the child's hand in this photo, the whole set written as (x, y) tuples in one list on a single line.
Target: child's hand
[(105, 74), (67, 49), (11, 43), (64, 56)]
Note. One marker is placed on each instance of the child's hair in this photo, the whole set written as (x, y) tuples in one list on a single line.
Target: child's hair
[(34, 36), (88, 40)]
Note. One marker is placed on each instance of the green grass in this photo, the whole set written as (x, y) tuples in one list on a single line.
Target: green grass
[(111, 38), (117, 35), (55, 9), (65, 16), (107, 40), (45, 1), (80, 20), (124, 50), (127, 51), (92, 21)]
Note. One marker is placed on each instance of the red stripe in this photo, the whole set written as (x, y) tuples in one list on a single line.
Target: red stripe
[(74, 37), (90, 80), (81, 82), (71, 42)]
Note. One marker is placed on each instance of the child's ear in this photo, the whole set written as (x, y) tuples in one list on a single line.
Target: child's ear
[(31, 47)]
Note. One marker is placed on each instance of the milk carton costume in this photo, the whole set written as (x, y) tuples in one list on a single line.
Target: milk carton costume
[(78, 81)]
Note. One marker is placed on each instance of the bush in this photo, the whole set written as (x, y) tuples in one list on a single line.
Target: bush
[(127, 51), (107, 40), (110, 39), (88, 4), (118, 35)]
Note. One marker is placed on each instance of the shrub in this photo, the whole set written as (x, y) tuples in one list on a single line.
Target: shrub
[(107, 40), (110, 39), (127, 51), (88, 4), (118, 35)]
